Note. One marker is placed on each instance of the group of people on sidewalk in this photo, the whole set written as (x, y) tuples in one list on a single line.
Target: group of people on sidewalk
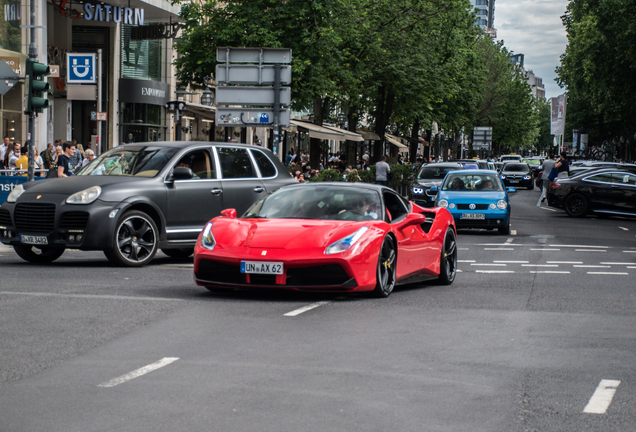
[(61, 159)]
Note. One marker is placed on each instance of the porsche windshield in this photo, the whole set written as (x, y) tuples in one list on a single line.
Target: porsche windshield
[(318, 202), (472, 182), (131, 161)]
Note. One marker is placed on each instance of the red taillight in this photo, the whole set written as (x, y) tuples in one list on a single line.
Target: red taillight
[(555, 185)]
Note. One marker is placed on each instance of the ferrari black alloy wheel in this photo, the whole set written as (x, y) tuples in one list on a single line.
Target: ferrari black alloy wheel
[(135, 240), (385, 273), (36, 255), (576, 205), (448, 258)]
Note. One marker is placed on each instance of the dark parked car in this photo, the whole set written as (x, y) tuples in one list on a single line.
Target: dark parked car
[(606, 191), (517, 174), (137, 198), (429, 175)]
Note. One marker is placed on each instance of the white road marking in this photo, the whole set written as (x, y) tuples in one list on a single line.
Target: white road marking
[(499, 249), (513, 232), (545, 249), (589, 250), (87, 296), (463, 248), (492, 265), (591, 266), (602, 397), (539, 265), (550, 271), (613, 263), (629, 251), (459, 271), (548, 209), (581, 246), (465, 261), (564, 262), (306, 308), (511, 262), (494, 271), (139, 372), (624, 229), (631, 267), (509, 241), (607, 273)]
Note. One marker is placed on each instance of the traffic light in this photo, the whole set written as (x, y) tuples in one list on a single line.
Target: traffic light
[(37, 98)]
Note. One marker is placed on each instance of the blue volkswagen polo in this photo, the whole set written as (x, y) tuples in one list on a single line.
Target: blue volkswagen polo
[(476, 199)]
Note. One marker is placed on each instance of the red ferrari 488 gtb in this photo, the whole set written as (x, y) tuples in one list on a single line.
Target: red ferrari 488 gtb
[(331, 237)]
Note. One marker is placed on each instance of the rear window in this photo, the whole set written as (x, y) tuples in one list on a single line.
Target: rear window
[(265, 166)]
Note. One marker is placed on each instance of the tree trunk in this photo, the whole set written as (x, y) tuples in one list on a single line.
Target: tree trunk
[(314, 143), (414, 144), (456, 139), (384, 110)]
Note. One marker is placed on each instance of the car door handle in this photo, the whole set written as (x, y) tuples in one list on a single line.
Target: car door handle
[(216, 191), (258, 189)]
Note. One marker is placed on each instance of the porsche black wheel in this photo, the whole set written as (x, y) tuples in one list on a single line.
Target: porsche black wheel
[(178, 253), (576, 205), (135, 242), (448, 258), (386, 271), (36, 255)]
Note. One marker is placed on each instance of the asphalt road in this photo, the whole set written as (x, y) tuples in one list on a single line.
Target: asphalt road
[(536, 334)]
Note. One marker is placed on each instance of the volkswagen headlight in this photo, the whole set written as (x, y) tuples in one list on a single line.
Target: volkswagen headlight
[(345, 243), (442, 203), (493, 206), (15, 193), (501, 205), (86, 196), (207, 238)]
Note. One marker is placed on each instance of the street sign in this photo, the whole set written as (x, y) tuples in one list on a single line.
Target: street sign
[(81, 68), (260, 96), (254, 55), (99, 116), (8, 78), (250, 117), (482, 138), (251, 74)]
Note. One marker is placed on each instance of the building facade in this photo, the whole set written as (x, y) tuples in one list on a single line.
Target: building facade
[(485, 10)]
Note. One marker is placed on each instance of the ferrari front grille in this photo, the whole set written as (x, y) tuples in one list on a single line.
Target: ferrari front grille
[(35, 217), (212, 271), (327, 275)]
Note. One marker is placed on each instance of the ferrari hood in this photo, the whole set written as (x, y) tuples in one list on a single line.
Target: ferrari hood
[(282, 233)]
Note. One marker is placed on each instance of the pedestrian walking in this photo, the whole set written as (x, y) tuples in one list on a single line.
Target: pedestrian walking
[(548, 164), (382, 172), (563, 166)]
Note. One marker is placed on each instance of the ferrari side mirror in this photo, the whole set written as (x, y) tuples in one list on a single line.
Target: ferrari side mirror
[(231, 213)]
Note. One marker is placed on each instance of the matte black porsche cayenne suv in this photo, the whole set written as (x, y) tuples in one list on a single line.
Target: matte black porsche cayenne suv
[(138, 198)]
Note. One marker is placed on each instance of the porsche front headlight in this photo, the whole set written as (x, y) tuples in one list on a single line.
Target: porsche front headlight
[(207, 238), (345, 243), (86, 196), (15, 193)]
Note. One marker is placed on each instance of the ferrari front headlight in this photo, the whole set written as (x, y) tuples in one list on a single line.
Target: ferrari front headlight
[(207, 238), (345, 243), (86, 196), (15, 193)]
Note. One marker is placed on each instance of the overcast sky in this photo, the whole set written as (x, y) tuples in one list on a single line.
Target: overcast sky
[(534, 28)]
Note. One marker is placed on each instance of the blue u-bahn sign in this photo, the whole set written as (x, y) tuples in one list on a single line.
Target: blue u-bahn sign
[(81, 68)]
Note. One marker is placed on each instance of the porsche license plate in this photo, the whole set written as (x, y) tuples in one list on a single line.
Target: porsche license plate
[(34, 240), (259, 267), (473, 216)]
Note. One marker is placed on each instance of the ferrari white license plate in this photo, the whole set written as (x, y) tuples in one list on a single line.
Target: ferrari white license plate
[(473, 216), (259, 267), (34, 240)]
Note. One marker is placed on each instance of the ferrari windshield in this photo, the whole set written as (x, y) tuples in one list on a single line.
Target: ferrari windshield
[(318, 202), (130, 161), (473, 182)]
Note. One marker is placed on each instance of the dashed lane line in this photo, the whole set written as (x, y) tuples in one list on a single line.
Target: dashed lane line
[(591, 266), (615, 263), (623, 228), (589, 250), (139, 372), (88, 296), (303, 309), (511, 262), (466, 261), (580, 246), (499, 249), (539, 265), (550, 271), (609, 273), (602, 397), (545, 249), (494, 271), (630, 251), (564, 262), (548, 209), (487, 264)]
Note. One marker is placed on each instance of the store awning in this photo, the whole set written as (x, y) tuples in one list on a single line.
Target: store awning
[(203, 111), (348, 136), (319, 132), (393, 140), (370, 136)]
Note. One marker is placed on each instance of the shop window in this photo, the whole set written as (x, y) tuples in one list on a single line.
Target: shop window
[(141, 59)]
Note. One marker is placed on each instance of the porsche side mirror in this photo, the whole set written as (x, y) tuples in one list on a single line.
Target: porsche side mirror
[(231, 213), (511, 189), (182, 173)]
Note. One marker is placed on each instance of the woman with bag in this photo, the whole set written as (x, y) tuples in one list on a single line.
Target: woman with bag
[(563, 166)]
